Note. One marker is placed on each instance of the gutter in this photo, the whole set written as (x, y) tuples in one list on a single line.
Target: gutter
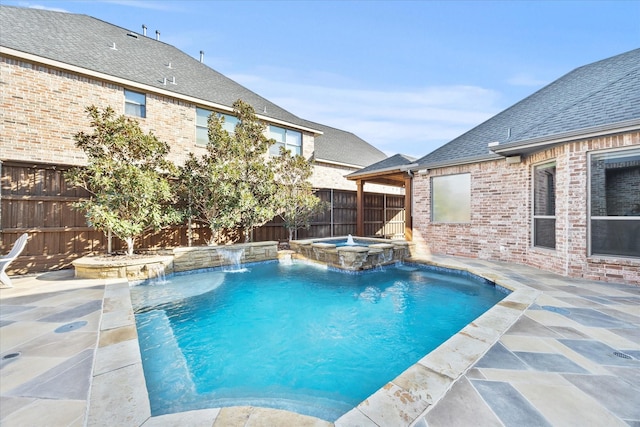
[(542, 142), (513, 149), (144, 87), (332, 162), (419, 167), (398, 168)]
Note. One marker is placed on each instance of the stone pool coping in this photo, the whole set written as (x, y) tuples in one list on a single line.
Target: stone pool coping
[(118, 394)]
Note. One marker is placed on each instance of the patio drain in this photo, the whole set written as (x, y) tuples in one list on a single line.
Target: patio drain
[(622, 355), (11, 356), (70, 327)]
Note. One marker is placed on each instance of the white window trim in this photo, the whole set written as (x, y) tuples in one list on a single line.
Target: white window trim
[(533, 206), (126, 101), (590, 218)]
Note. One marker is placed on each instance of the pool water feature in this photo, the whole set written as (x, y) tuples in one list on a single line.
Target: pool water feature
[(353, 254), (295, 337)]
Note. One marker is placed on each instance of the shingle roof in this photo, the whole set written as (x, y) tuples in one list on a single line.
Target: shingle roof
[(394, 162), (602, 93), (87, 42), (343, 147)]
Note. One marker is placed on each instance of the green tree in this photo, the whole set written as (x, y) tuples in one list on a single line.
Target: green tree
[(233, 184), (209, 180), (298, 204), (127, 177)]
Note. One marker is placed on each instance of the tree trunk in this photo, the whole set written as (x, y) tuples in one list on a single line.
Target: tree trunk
[(129, 241)]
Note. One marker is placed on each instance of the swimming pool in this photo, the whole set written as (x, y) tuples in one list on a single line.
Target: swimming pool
[(295, 337)]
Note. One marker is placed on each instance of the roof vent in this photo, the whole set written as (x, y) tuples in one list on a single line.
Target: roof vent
[(173, 80), (134, 35), (169, 65), (493, 144), (113, 47), (144, 30), (202, 56), (157, 35)]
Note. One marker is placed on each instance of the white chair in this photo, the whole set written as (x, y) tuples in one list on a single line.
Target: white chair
[(18, 246)]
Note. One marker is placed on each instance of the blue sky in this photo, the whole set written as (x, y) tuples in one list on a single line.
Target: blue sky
[(406, 76)]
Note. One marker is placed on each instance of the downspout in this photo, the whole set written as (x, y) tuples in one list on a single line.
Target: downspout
[(0, 196), (566, 225)]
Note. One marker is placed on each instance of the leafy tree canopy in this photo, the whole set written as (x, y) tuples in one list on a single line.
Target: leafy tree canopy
[(298, 204), (127, 177), (232, 185)]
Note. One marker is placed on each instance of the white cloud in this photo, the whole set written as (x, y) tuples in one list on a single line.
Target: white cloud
[(409, 121), (41, 7), (140, 4)]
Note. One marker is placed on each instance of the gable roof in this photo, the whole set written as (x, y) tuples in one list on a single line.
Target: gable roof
[(130, 58), (395, 162), (342, 147), (88, 43), (600, 97)]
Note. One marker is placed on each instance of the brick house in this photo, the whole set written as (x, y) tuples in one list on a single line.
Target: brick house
[(54, 65), (552, 182)]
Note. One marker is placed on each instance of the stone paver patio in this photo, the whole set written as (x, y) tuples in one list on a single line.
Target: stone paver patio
[(565, 352)]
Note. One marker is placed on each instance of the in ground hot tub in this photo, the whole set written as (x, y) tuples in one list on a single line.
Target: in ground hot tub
[(353, 254)]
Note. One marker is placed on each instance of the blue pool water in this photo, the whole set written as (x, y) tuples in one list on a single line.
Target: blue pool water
[(296, 337), (343, 242)]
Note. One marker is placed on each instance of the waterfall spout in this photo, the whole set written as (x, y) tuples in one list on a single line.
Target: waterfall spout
[(156, 274), (231, 259)]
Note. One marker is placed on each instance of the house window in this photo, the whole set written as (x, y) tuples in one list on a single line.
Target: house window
[(135, 104), (451, 198), (614, 203), (287, 138), (202, 127), (544, 206)]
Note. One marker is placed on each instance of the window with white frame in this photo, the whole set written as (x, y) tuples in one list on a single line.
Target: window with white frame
[(287, 138), (544, 205), (451, 198), (614, 203), (202, 127), (135, 104)]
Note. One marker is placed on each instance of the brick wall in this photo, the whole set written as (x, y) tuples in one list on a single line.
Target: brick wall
[(43, 108), (501, 225)]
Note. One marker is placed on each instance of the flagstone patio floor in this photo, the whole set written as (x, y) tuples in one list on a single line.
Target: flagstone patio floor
[(69, 357)]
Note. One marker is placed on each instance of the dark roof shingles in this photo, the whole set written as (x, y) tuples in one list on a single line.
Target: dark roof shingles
[(396, 160), (87, 42), (604, 92)]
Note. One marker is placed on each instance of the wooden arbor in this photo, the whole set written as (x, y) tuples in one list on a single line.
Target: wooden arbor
[(395, 178)]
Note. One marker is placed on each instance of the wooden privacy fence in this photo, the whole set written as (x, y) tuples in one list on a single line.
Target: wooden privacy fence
[(384, 217), (37, 200)]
